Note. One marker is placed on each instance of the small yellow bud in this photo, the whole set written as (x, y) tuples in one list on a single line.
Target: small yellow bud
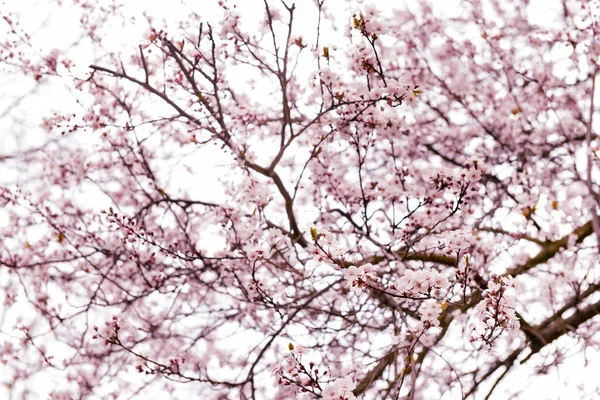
[(313, 233), (527, 211)]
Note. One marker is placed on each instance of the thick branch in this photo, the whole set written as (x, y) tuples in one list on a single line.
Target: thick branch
[(552, 249)]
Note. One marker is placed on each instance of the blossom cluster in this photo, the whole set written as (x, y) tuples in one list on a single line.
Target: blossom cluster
[(421, 282), (458, 180), (358, 277), (340, 389), (370, 22), (293, 376), (457, 241), (230, 22), (496, 312), (327, 249), (430, 311), (110, 331)]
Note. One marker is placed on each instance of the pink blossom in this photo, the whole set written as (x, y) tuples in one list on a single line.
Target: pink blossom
[(339, 389), (430, 312)]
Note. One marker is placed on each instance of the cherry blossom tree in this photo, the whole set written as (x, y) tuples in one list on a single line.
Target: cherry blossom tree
[(325, 199)]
